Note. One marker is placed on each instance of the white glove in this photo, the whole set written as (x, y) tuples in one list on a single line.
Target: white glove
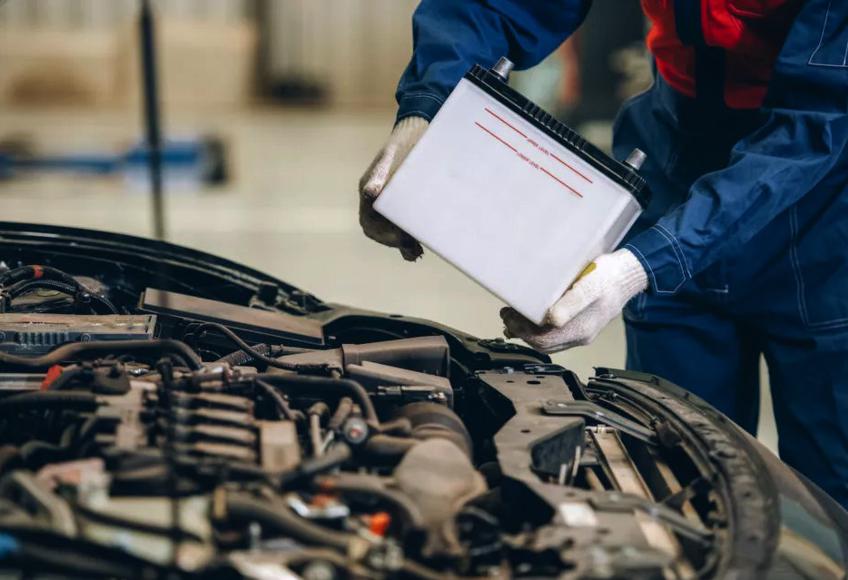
[(586, 308), (403, 138)]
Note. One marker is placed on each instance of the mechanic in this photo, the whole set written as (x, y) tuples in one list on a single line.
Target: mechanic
[(744, 247)]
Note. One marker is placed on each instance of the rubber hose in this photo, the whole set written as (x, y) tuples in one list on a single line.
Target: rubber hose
[(49, 399), (104, 347), (335, 456), (343, 411), (389, 446), (282, 520), (308, 384)]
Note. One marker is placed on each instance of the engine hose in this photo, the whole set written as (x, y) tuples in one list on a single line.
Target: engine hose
[(334, 457), (47, 400), (370, 486), (79, 350), (236, 340), (308, 384), (282, 405), (389, 446), (343, 411), (431, 420), (241, 357), (281, 520), (66, 378)]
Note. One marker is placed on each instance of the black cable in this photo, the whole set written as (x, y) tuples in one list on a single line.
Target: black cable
[(48, 400), (36, 272), (77, 350), (334, 457), (28, 278), (66, 378), (40, 549), (241, 357), (282, 405), (308, 384), (78, 292), (143, 527), (281, 520), (236, 340)]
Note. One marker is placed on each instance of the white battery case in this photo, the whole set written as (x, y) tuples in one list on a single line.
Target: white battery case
[(513, 206)]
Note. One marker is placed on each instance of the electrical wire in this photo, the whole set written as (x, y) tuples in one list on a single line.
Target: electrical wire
[(77, 350), (281, 520), (282, 405), (21, 280), (236, 340), (312, 385), (79, 401)]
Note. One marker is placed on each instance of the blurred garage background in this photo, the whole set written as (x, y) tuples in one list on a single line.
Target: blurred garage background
[(273, 109)]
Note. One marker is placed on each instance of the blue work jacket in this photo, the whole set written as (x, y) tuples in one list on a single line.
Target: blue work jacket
[(798, 141)]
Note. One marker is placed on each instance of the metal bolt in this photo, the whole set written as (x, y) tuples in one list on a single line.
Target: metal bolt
[(503, 67), (636, 159), (254, 533), (85, 337), (319, 570), (355, 430)]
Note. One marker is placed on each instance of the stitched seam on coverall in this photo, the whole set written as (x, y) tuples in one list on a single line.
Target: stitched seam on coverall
[(678, 251), (420, 94), (796, 265), (800, 284), (821, 44)]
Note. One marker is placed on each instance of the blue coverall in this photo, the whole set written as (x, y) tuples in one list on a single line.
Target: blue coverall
[(746, 239)]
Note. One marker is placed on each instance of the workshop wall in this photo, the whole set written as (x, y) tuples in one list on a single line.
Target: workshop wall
[(346, 53), (83, 52)]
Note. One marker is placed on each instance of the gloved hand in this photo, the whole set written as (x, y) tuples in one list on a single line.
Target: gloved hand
[(586, 308), (403, 138)]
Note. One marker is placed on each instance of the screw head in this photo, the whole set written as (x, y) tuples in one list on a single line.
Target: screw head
[(355, 431)]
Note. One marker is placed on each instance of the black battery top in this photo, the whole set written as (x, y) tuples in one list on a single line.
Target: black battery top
[(621, 173)]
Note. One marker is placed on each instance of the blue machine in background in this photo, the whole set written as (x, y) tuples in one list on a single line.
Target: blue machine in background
[(200, 159)]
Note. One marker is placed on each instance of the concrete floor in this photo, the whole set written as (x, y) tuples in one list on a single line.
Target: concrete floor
[(290, 210)]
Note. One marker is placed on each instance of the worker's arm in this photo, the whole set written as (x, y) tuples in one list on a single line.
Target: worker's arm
[(805, 135), (450, 36)]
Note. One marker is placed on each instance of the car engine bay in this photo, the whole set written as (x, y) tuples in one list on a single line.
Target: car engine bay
[(165, 413)]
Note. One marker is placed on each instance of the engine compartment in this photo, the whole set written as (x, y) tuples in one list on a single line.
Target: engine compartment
[(157, 424)]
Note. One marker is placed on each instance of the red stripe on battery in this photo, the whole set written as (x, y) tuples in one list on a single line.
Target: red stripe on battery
[(571, 168), (561, 182), (504, 121), (496, 137), (577, 193)]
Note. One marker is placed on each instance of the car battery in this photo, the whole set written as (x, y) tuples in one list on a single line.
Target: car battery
[(512, 197)]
